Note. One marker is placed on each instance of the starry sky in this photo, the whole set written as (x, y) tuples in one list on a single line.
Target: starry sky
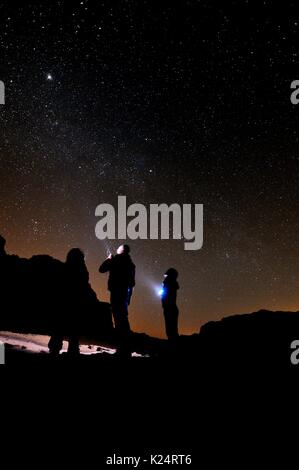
[(185, 102)]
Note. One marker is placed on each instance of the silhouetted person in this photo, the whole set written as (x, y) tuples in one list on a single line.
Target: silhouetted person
[(120, 284), (77, 280), (170, 309)]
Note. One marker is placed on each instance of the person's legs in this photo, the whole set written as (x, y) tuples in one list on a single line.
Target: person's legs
[(55, 344), (167, 318), (171, 314), (175, 318), (74, 345), (119, 305)]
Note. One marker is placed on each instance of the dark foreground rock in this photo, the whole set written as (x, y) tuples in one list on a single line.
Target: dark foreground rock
[(36, 297)]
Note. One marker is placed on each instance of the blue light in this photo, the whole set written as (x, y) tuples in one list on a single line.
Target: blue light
[(160, 292)]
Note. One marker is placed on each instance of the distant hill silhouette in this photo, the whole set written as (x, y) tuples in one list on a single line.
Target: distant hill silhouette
[(34, 298), (261, 338)]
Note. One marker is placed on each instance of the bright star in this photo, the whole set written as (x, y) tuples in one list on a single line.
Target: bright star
[(49, 77)]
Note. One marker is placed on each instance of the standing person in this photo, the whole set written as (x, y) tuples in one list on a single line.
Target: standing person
[(77, 280), (120, 284), (170, 309)]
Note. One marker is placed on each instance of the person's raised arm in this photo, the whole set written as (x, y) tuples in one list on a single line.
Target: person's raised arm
[(105, 267)]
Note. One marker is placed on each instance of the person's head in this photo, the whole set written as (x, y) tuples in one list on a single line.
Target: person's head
[(171, 273), (2, 243), (75, 255), (123, 250)]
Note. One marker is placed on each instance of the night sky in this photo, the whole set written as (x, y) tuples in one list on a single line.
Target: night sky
[(185, 102)]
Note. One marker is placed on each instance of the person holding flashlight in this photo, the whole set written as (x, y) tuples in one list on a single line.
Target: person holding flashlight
[(120, 284)]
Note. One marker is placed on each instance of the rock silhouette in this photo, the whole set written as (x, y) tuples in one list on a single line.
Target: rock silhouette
[(34, 298), (261, 339), (250, 341)]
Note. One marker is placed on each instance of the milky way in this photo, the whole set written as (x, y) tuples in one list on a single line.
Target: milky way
[(160, 102)]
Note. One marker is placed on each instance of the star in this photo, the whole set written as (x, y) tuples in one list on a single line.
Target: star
[(49, 77)]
